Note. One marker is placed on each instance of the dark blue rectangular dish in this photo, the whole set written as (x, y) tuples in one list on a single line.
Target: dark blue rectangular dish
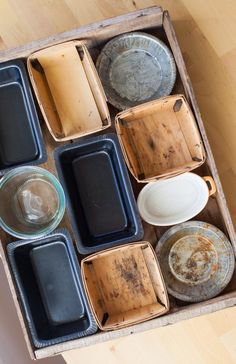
[(21, 140), (100, 200), (48, 278)]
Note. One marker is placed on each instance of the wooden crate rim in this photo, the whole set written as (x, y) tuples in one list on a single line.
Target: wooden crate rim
[(26, 49), (158, 17)]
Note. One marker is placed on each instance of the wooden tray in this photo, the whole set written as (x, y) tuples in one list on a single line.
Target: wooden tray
[(154, 21), (68, 90), (124, 285), (160, 139)]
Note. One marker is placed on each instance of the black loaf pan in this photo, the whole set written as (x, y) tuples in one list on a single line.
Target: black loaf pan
[(21, 140), (100, 200), (48, 278)]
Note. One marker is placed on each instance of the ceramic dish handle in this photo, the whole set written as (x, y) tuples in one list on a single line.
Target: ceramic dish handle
[(211, 184)]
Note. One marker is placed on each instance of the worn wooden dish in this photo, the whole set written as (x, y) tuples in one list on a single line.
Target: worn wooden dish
[(124, 285), (68, 90), (153, 21), (160, 139)]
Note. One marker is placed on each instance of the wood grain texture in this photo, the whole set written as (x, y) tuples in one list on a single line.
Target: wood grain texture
[(160, 139), (124, 285), (60, 80), (206, 35)]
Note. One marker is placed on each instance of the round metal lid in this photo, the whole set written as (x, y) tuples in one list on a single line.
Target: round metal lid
[(135, 68), (197, 260)]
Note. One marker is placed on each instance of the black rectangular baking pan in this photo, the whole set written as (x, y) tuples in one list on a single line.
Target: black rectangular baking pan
[(100, 200), (48, 278), (21, 140)]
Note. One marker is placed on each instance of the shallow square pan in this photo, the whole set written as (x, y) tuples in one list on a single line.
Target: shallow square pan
[(68, 90), (160, 138), (47, 275), (124, 285), (21, 140), (101, 204)]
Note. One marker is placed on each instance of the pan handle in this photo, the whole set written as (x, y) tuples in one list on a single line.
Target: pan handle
[(210, 184)]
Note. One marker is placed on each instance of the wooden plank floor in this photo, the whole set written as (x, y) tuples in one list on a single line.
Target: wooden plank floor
[(206, 31)]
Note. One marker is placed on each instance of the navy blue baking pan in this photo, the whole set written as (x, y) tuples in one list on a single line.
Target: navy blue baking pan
[(21, 140), (100, 200), (48, 279)]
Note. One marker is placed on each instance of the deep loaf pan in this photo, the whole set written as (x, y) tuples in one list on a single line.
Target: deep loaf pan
[(48, 278), (101, 205), (21, 140)]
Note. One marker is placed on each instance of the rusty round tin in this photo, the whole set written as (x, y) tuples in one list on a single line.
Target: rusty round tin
[(193, 259), (197, 260), (135, 68)]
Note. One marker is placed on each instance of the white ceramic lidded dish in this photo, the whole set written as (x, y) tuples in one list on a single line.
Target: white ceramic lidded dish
[(175, 200)]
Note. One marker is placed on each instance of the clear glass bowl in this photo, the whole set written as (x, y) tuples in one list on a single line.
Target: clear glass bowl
[(32, 202)]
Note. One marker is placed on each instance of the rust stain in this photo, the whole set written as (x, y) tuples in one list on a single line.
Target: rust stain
[(151, 143), (199, 261), (114, 294), (100, 302), (132, 276), (215, 267)]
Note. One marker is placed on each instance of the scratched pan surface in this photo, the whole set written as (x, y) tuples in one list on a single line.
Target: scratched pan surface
[(196, 259), (135, 68)]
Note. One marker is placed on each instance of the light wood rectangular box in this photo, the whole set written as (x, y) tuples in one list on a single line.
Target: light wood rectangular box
[(175, 141), (70, 93), (124, 285), (157, 22)]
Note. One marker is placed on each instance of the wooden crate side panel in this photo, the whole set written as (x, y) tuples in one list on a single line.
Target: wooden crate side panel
[(117, 25), (169, 29), (169, 319)]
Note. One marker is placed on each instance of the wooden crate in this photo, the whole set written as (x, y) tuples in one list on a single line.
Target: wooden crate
[(160, 139), (157, 22), (124, 285)]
